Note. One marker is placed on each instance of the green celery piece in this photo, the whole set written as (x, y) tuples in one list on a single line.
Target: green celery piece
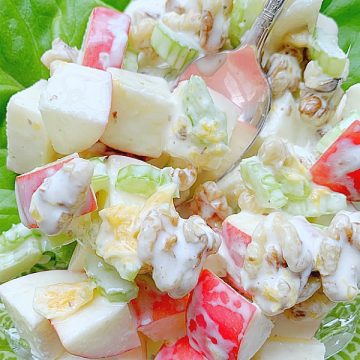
[(262, 182), (242, 17), (130, 61), (172, 47), (333, 134), (347, 16), (318, 204), (15, 236), (325, 50), (142, 179), (294, 185), (108, 280), (20, 250), (209, 123), (19, 260)]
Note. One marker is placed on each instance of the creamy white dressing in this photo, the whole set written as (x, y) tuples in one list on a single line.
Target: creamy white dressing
[(343, 284), (59, 51), (61, 196), (176, 248)]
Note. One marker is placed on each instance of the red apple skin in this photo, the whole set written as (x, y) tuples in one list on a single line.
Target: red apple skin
[(154, 310), (106, 38), (180, 350), (236, 242), (332, 168), (217, 318), (28, 183)]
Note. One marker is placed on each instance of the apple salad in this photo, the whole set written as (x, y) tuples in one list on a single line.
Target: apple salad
[(181, 252)]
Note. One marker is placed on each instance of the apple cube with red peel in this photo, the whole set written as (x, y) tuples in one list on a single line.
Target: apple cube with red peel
[(18, 298), (159, 316), (237, 231), (339, 167), (100, 329), (105, 39), (236, 234), (179, 351), (27, 184), (222, 324)]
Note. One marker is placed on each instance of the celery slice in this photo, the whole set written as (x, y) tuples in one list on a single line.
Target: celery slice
[(108, 280), (143, 180), (209, 123), (321, 201), (294, 185), (242, 17), (263, 183), (20, 250), (172, 47), (332, 135), (130, 61), (325, 50)]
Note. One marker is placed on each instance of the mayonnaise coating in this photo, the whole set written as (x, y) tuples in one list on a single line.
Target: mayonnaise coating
[(61, 196), (176, 248)]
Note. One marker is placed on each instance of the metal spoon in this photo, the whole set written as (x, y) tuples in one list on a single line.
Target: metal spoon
[(237, 74)]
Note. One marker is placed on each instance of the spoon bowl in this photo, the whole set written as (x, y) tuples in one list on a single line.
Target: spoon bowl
[(238, 75)]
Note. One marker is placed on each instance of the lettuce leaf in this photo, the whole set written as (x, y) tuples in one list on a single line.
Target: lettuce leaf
[(347, 15)]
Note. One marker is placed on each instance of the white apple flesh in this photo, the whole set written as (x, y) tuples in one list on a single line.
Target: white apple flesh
[(75, 107), (97, 330), (28, 143), (17, 296), (140, 111)]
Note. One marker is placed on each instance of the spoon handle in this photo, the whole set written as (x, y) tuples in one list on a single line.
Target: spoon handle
[(260, 30)]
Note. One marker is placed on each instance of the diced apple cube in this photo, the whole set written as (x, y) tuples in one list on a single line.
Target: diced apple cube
[(159, 316), (97, 330), (75, 107), (291, 349), (222, 324), (140, 112), (105, 39), (28, 183), (28, 143), (17, 296), (180, 350), (236, 233)]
